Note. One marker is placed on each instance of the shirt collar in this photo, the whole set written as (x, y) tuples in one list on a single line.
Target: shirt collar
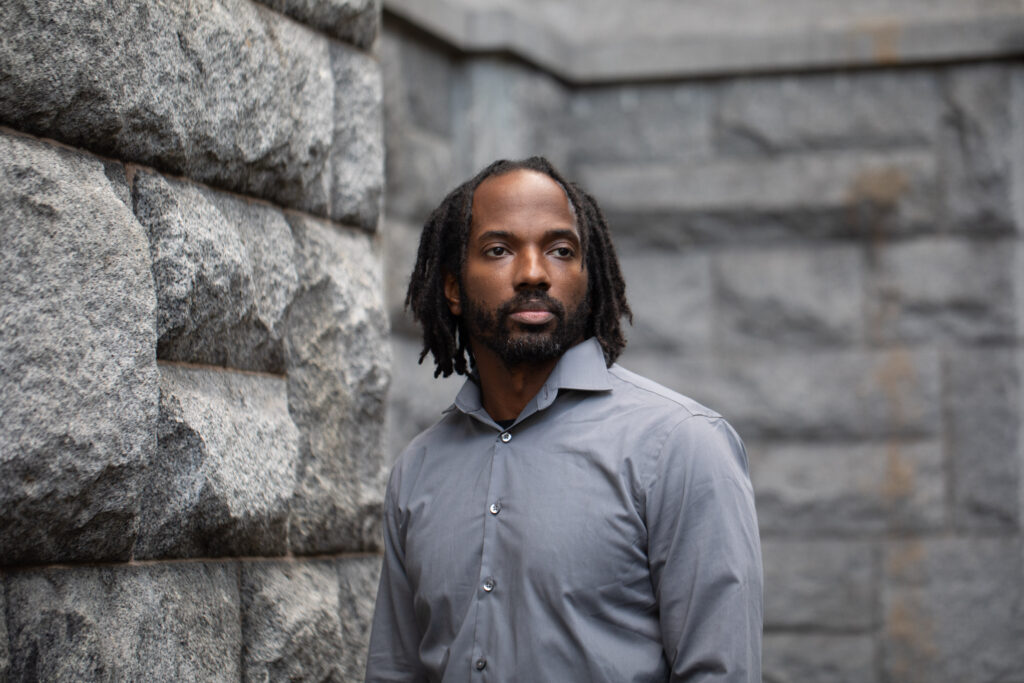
[(582, 368)]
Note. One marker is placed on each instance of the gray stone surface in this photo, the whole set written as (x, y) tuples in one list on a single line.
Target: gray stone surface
[(942, 288), (645, 123), (824, 395), (417, 397), (175, 622), (291, 621), (976, 154), (505, 110), (983, 410), (224, 272), (354, 21), (5, 650), (419, 86), (307, 620), (954, 610), (671, 296), (357, 152), (338, 361), (613, 42), (865, 488), (787, 297), (401, 241), (807, 658), (869, 194), (225, 471), (854, 110), (357, 592), (222, 91), (419, 80), (821, 585), (78, 377)]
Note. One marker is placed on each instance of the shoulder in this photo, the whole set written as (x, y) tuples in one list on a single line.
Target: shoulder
[(644, 390), (694, 441)]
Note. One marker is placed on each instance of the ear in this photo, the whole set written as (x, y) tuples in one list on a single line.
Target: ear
[(451, 293)]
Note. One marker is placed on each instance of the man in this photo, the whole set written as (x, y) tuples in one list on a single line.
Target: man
[(566, 520)]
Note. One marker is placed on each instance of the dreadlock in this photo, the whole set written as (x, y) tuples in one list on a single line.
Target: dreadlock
[(443, 250)]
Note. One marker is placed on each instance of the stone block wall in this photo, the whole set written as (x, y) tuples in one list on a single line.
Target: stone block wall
[(832, 259), (193, 339)]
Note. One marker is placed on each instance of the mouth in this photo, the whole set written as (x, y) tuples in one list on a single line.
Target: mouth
[(534, 313), (532, 317)]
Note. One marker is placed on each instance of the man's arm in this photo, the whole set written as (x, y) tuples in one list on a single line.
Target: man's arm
[(705, 554), (395, 639)]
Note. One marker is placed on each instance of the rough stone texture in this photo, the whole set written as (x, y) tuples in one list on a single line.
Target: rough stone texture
[(225, 471), (338, 362), (176, 622), (357, 153), (807, 298), (805, 658), (942, 288), (307, 620), (856, 110), (983, 409), (354, 21), (357, 581), (824, 585), (879, 394), (977, 159), (78, 378), (866, 488), (222, 91), (680, 322), (224, 272), (954, 610), (291, 621)]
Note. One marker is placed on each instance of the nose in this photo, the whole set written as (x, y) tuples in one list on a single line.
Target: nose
[(531, 270)]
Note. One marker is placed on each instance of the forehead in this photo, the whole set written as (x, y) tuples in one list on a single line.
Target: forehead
[(521, 197)]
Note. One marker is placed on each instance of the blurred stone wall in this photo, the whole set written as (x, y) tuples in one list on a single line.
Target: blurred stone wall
[(829, 256), (193, 340)]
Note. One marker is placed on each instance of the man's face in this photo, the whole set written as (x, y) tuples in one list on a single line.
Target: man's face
[(524, 289)]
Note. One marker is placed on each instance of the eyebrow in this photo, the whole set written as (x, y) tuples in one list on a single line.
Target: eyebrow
[(561, 233)]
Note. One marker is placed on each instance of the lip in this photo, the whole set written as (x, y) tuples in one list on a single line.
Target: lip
[(532, 317)]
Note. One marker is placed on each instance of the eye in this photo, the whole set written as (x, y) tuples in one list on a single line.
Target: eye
[(495, 251), (563, 252)]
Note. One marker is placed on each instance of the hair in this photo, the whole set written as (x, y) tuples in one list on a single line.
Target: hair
[(443, 250)]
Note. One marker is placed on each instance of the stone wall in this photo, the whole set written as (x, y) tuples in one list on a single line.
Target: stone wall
[(829, 257), (193, 357)]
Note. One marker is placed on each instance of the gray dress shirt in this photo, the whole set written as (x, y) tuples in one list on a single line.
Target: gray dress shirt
[(609, 534)]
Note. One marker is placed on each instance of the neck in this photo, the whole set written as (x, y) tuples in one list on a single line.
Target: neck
[(505, 391)]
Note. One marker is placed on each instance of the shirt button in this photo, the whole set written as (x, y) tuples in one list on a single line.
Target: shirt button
[(505, 437), (488, 584), (495, 508), (480, 664)]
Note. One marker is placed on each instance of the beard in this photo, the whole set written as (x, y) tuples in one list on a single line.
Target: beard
[(518, 344)]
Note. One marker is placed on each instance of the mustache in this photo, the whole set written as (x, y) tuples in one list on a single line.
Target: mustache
[(531, 297)]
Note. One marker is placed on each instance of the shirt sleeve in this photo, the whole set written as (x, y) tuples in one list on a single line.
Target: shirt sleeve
[(705, 554), (394, 639)]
